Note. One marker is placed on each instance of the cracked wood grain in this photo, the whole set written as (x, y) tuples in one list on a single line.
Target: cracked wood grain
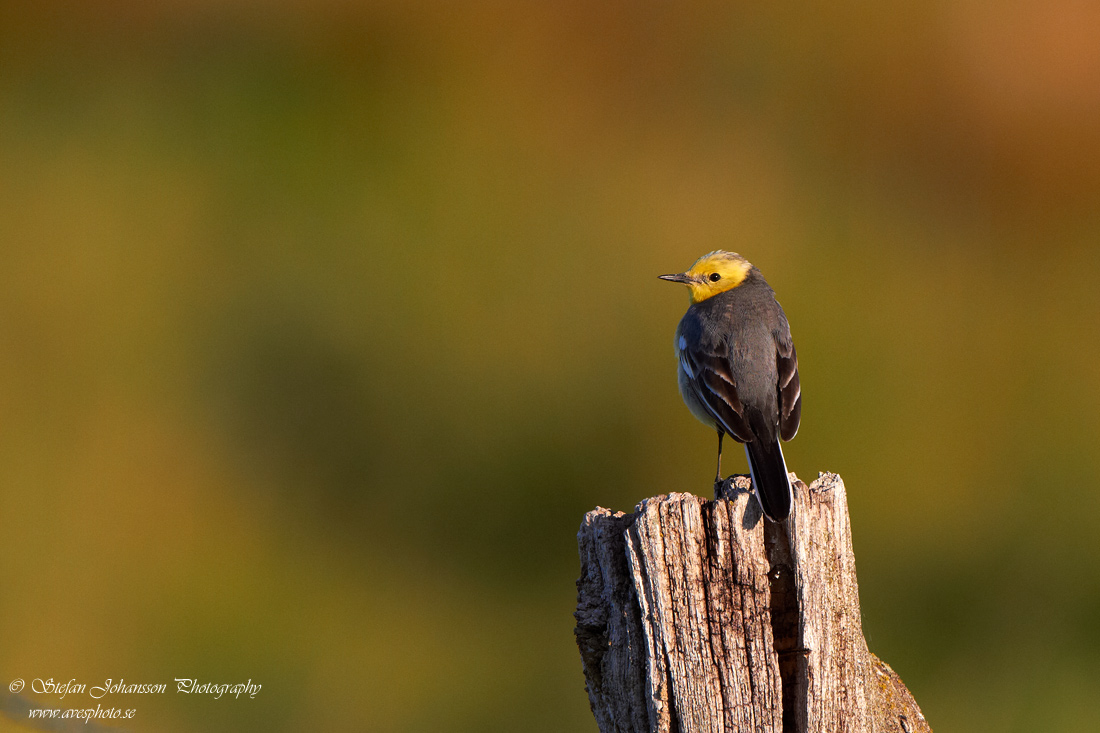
[(696, 615)]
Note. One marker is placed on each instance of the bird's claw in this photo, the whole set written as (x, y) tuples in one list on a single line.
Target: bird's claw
[(719, 485)]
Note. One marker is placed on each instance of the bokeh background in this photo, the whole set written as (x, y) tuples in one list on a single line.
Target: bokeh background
[(323, 323)]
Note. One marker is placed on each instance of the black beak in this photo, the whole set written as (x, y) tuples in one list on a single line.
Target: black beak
[(680, 278)]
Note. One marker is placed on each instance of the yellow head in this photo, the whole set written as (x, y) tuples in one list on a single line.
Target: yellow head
[(713, 273)]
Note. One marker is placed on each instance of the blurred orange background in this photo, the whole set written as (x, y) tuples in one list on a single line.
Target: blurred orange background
[(323, 324)]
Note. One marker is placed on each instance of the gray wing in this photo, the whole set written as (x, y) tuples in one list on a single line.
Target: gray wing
[(710, 377), (790, 394)]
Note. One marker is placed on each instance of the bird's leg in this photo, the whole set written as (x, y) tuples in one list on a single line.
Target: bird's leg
[(718, 472)]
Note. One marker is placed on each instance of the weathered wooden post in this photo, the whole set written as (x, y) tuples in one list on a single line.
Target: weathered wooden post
[(696, 616)]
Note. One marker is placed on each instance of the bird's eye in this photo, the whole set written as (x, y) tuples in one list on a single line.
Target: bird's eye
[(715, 277)]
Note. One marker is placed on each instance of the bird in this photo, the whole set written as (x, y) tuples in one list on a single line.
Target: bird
[(738, 371)]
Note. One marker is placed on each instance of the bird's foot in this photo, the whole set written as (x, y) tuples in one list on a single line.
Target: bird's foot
[(719, 487)]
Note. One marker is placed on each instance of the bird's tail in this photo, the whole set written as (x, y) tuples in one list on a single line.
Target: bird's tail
[(769, 478)]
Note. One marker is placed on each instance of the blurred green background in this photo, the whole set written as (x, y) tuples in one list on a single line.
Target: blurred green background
[(322, 325)]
